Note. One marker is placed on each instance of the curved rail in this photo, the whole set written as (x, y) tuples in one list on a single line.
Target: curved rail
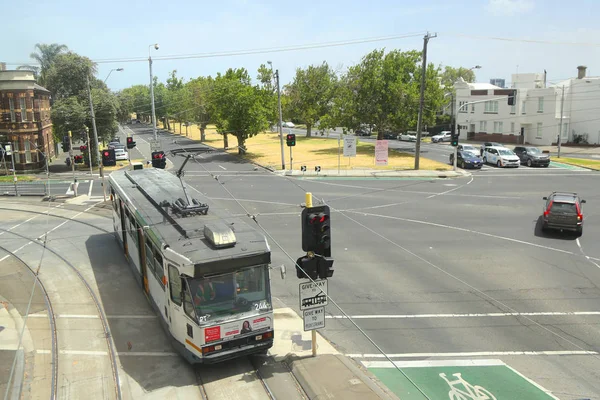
[(58, 216), (103, 319), (51, 317)]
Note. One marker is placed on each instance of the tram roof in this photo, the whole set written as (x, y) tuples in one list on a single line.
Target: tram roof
[(147, 188)]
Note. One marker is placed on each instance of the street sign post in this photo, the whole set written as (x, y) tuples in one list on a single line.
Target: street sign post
[(350, 146), (154, 145), (381, 152), (313, 294), (314, 318)]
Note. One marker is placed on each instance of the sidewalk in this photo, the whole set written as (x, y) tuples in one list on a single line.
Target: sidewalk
[(329, 375)]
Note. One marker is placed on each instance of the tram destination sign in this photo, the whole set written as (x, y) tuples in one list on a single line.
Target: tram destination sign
[(313, 294)]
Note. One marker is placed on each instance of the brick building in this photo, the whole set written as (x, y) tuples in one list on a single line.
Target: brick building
[(25, 119)]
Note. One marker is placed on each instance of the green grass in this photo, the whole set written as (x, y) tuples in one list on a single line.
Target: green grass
[(20, 178), (580, 162)]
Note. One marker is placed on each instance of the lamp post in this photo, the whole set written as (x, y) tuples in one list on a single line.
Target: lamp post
[(155, 45), (96, 144), (114, 69), (279, 123)]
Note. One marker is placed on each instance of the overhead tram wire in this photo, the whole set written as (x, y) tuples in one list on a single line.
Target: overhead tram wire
[(255, 219)]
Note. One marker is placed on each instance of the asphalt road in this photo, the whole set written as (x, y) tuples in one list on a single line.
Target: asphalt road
[(438, 268)]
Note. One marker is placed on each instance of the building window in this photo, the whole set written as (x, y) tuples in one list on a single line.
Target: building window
[(23, 109), (540, 104), (27, 151), (512, 127), (482, 126), (11, 105), (462, 106), (491, 107), (523, 107), (498, 127), (538, 133), (472, 108), (565, 131), (513, 109)]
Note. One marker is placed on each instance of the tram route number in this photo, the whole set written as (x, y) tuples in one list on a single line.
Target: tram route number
[(261, 305), (314, 318)]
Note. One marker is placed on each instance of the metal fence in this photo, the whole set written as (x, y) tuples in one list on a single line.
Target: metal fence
[(23, 189)]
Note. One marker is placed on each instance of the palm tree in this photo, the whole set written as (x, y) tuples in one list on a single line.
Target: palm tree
[(45, 56)]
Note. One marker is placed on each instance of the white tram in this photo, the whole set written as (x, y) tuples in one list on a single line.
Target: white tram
[(205, 272)]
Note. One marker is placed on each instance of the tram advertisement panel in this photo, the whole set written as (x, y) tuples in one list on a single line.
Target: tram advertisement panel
[(230, 330)]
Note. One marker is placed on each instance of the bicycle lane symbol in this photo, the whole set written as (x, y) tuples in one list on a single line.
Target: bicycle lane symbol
[(469, 391)]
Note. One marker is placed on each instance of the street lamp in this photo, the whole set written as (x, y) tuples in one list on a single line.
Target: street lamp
[(96, 144), (475, 67), (114, 69), (280, 123), (155, 45)]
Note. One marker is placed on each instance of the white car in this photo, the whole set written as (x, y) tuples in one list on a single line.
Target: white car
[(289, 125), (408, 137), (121, 154), (444, 136), (501, 157)]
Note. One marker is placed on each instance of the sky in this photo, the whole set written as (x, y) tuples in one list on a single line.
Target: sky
[(121, 30)]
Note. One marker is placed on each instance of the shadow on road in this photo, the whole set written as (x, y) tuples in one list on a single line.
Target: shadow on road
[(552, 234)]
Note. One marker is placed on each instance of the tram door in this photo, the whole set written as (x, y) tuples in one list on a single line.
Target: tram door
[(123, 230)]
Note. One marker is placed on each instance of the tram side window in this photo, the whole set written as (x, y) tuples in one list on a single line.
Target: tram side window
[(158, 268), (188, 306), (175, 285), (150, 256)]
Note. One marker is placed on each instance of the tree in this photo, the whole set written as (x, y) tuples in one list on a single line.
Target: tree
[(268, 89), (311, 94), (174, 99), (45, 57), (201, 107), (135, 100), (239, 106), (67, 114), (451, 75), (68, 75)]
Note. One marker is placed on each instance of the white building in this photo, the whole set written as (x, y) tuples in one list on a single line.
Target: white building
[(535, 118)]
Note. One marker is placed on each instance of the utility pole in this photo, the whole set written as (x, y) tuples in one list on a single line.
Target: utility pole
[(422, 99), (280, 128), (152, 93), (72, 164), (96, 144), (87, 135), (560, 128)]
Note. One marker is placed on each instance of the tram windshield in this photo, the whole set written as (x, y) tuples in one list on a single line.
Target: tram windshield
[(220, 296)]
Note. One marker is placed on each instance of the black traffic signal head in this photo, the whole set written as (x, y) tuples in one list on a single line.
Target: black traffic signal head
[(309, 266), (108, 157), (316, 230), (159, 160), (130, 143), (512, 98), (454, 139), (325, 268), (291, 139)]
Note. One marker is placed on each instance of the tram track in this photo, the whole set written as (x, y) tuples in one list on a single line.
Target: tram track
[(46, 213), (52, 320), (102, 316)]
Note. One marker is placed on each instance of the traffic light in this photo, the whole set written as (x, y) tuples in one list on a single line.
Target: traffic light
[(316, 230), (130, 143), (78, 159), (325, 268), (309, 265), (108, 158), (65, 144), (454, 139), (512, 98), (291, 139), (159, 160)]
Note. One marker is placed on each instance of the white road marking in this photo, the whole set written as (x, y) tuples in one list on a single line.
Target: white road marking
[(222, 167), (468, 231), (91, 185), (474, 315), (432, 363), (585, 255), (479, 354)]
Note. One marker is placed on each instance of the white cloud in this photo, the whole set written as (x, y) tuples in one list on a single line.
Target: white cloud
[(509, 7)]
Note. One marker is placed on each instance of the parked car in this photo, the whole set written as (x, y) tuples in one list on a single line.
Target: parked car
[(121, 154), (466, 159), (408, 136), (488, 144), (362, 131), (289, 124), (532, 156), (563, 211), (390, 135), (444, 136), (501, 157)]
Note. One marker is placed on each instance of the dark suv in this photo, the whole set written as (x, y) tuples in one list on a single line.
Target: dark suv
[(563, 211), (532, 156)]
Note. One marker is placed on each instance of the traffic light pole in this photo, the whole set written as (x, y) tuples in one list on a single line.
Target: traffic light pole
[(309, 203), (72, 164), (454, 160), (291, 160)]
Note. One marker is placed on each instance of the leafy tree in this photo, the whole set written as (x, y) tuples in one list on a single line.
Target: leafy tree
[(45, 56), (239, 107), (311, 94), (68, 114), (135, 100), (268, 88), (451, 75), (174, 99), (201, 108), (68, 75)]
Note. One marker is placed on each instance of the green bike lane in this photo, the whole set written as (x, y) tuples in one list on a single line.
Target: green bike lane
[(456, 380)]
